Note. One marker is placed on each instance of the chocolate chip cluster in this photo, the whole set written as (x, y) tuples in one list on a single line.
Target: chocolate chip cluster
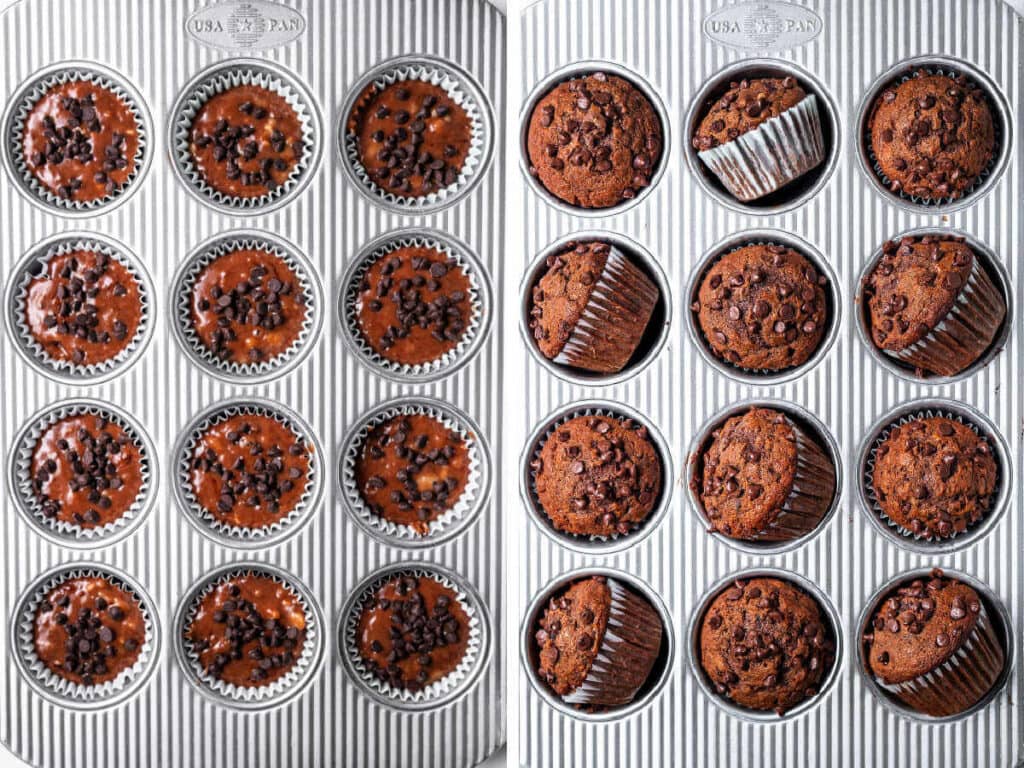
[(748, 103), (90, 644)]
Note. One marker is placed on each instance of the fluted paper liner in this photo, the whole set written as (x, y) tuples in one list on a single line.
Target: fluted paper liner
[(54, 683), (464, 505), (778, 151), (350, 314), (438, 689), (22, 472)]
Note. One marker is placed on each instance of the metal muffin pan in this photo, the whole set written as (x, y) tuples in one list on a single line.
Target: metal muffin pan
[(329, 719)]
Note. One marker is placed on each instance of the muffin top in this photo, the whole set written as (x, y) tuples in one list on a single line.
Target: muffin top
[(248, 630), (919, 626), (80, 141), (765, 644), (414, 305), (594, 141), (413, 632), (413, 138), (89, 630), (571, 631), (762, 307), (246, 141), (932, 135), (597, 475), (746, 105), (934, 476), (913, 287), (83, 308), (87, 471)]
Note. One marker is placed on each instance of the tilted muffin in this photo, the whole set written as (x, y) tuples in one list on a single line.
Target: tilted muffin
[(932, 305), (766, 644), (762, 307), (591, 307), (762, 478), (594, 141), (597, 642), (932, 135), (934, 477), (931, 644), (597, 476)]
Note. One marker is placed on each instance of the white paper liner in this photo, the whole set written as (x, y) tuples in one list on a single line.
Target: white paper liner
[(22, 457), (206, 518), (194, 345), (458, 93), (440, 688), (350, 313), (27, 102), (24, 334), (57, 685), (225, 80), (302, 666), (450, 518), (778, 151), (883, 435)]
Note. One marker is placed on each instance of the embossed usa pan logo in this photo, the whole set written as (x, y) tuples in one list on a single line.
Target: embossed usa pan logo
[(763, 25), (245, 25)]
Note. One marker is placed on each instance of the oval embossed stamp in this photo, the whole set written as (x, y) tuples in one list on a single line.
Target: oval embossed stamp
[(245, 25), (763, 25)]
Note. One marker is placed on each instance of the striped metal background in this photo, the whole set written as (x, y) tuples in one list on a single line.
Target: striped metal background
[(330, 723), (662, 41)]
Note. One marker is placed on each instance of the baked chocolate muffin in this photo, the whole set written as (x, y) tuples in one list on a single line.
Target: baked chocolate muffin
[(933, 136), (762, 478), (597, 476), (934, 477), (597, 643), (763, 308), (594, 141), (932, 305), (932, 645), (765, 644), (747, 105)]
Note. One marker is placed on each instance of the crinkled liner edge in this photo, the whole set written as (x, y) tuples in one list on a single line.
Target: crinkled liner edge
[(53, 683), (199, 513), (350, 300), (450, 518), (183, 305), (451, 83), (27, 102), (925, 413), (303, 664), (219, 82), (24, 278), (441, 688), (25, 449)]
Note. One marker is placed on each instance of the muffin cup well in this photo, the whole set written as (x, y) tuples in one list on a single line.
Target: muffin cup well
[(443, 691), (479, 296), (920, 409), (14, 127), (462, 89), (453, 521), (223, 77), (33, 264), (817, 483), (272, 694), (594, 544), (240, 536), (57, 689), (181, 301), (68, 534)]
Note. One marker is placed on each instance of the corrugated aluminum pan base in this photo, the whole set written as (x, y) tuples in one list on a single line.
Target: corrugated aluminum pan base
[(663, 42), (331, 723)]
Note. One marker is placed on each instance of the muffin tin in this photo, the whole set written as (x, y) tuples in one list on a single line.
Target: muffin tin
[(168, 714), (682, 52)]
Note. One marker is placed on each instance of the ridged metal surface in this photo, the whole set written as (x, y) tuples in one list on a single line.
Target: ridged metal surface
[(331, 723), (662, 41)]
